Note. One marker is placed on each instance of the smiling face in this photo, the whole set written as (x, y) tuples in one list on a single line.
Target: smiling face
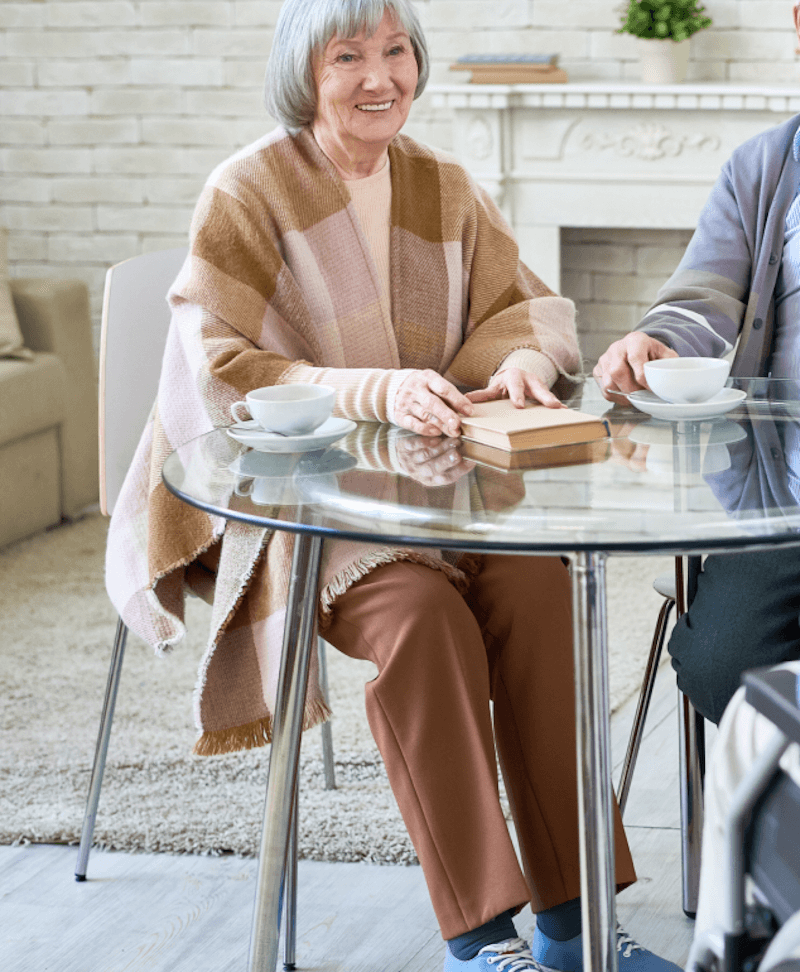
[(365, 88)]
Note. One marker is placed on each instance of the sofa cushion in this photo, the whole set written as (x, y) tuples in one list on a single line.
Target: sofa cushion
[(32, 396), (10, 335)]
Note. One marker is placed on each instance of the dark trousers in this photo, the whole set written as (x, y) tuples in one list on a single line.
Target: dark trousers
[(746, 614)]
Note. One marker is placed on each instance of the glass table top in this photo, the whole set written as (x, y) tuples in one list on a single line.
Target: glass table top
[(729, 481)]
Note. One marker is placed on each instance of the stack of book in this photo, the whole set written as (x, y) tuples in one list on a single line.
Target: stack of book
[(512, 68)]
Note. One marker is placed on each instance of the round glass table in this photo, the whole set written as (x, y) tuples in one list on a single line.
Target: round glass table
[(686, 483)]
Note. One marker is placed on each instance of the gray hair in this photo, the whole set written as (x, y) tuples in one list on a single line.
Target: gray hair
[(304, 28)]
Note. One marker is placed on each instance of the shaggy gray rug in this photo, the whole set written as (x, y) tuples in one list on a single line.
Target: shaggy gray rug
[(55, 642)]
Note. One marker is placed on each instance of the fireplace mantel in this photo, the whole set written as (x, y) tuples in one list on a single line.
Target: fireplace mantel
[(602, 155)]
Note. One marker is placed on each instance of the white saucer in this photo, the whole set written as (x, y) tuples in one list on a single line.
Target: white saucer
[(723, 402), (252, 435)]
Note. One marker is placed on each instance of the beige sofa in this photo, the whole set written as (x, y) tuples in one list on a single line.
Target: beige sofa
[(48, 410)]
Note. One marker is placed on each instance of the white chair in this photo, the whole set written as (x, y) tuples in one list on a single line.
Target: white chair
[(135, 322)]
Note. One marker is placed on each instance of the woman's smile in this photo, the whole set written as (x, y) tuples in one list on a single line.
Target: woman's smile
[(382, 107)]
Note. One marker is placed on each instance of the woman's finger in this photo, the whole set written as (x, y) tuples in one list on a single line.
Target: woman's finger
[(411, 422), (539, 392), (486, 394), (515, 385), (448, 393), (432, 409), (427, 397)]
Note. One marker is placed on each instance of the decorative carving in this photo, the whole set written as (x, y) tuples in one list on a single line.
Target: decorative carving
[(480, 141), (650, 142)]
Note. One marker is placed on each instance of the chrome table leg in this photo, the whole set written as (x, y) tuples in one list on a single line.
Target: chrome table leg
[(598, 879), (298, 642)]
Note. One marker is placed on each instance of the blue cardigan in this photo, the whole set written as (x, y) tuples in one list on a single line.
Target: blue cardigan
[(723, 288)]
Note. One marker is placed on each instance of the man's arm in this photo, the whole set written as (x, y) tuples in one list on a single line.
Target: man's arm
[(699, 311)]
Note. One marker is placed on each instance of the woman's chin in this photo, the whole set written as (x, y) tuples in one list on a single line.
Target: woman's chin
[(376, 126)]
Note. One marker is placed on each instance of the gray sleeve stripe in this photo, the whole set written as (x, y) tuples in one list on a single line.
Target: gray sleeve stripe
[(690, 315)]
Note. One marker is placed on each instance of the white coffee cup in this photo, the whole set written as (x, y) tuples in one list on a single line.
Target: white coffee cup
[(686, 380), (288, 409)]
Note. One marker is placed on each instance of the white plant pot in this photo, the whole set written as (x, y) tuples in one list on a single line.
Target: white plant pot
[(663, 61)]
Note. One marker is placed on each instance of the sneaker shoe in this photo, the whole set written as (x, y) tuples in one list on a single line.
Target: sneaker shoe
[(511, 956), (568, 956)]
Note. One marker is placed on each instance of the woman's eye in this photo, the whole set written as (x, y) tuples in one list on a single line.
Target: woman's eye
[(396, 50), (346, 58)]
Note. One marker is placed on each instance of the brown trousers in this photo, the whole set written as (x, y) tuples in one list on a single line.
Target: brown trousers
[(441, 658)]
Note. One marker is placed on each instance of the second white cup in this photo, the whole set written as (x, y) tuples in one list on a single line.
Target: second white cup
[(288, 409)]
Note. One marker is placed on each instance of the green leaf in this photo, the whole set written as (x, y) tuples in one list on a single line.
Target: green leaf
[(678, 19)]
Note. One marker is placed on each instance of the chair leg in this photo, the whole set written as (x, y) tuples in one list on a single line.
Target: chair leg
[(645, 695), (692, 740), (290, 887), (101, 749), (327, 734), (692, 771)]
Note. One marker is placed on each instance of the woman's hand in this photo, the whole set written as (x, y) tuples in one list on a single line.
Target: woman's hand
[(620, 370), (428, 404), (518, 385), (432, 462)]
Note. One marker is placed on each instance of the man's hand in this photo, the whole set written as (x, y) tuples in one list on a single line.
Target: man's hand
[(620, 370), (518, 385), (432, 462), (428, 404)]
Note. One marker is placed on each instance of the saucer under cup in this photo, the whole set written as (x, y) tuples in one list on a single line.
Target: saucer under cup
[(252, 435), (721, 403), (287, 409)]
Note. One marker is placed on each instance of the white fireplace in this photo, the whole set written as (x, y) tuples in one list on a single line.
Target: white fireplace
[(623, 156)]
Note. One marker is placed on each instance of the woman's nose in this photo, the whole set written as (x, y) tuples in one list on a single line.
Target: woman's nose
[(376, 77)]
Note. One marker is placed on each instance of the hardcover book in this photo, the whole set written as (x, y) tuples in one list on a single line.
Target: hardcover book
[(504, 426)]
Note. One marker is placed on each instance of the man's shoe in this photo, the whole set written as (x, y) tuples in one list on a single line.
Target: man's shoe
[(568, 956), (510, 956)]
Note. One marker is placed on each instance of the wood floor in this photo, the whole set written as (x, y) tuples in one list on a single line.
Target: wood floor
[(162, 913)]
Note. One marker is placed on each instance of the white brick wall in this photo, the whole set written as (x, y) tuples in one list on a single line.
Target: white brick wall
[(113, 112), (613, 277)]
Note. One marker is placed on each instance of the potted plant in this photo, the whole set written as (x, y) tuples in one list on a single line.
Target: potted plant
[(663, 28)]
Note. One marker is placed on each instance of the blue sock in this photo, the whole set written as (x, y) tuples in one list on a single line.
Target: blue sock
[(500, 929), (561, 922)]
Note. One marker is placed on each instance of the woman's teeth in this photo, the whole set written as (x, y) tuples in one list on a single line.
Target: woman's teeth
[(384, 107)]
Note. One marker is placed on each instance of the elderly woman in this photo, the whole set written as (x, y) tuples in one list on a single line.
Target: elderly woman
[(336, 250)]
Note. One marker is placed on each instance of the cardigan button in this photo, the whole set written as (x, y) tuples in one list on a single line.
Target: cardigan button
[(775, 453), (773, 259), (757, 323)]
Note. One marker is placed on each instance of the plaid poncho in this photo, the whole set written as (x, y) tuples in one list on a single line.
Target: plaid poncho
[(278, 272)]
